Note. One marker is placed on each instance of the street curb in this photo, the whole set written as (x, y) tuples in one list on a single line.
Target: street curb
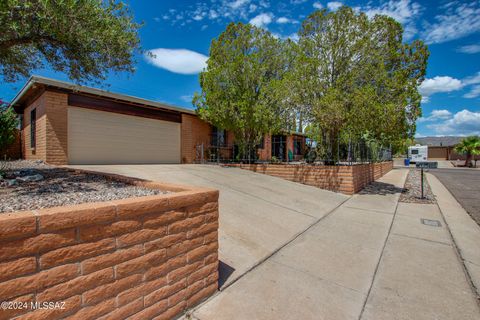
[(464, 231)]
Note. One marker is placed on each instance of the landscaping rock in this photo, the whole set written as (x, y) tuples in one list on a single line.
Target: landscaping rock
[(28, 172), (32, 178), (37, 185), (412, 191)]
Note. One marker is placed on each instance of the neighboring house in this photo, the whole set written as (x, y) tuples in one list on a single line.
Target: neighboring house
[(442, 148), (63, 123)]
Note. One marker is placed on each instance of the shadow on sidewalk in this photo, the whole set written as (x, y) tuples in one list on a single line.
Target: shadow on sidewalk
[(224, 272), (381, 188)]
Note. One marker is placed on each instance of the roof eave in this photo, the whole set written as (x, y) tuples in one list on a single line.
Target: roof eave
[(98, 92)]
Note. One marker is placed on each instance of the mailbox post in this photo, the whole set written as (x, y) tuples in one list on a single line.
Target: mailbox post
[(425, 165)]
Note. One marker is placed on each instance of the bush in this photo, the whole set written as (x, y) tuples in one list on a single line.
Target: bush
[(8, 126)]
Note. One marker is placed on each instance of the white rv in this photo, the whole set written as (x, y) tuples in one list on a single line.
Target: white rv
[(418, 153)]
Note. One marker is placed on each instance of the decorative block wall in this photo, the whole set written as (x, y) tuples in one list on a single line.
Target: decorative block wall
[(344, 179), (143, 258)]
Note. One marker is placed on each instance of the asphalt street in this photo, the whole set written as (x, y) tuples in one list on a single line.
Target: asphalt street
[(464, 184)]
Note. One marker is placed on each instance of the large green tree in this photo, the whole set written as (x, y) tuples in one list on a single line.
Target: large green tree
[(358, 76), (240, 85), (83, 38)]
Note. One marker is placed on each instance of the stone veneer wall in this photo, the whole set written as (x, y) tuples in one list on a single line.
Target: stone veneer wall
[(344, 179), (144, 258)]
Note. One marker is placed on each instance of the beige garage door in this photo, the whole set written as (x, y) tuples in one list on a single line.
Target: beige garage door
[(98, 137)]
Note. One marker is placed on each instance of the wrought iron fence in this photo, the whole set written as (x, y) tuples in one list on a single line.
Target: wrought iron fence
[(342, 154), (348, 153)]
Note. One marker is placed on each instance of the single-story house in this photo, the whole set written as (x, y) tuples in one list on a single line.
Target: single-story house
[(442, 148), (64, 123)]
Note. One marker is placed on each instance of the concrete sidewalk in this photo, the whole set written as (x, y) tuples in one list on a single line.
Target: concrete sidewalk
[(371, 258)]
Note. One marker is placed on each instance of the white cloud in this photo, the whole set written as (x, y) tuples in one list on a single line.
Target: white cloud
[(440, 114), (334, 5), (459, 20), (298, 1), (283, 20), (470, 49), (215, 11), (238, 3), (181, 61), (404, 11), (262, 20), (472, 80), (317, 5), (463, 123), (448, 84), (475, 89), (473, 93), (439, 84), (436, 115)]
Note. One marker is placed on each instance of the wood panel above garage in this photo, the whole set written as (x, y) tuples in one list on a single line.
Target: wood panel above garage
[(96, 103)]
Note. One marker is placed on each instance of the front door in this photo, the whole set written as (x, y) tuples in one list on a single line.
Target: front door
[(279, 147)]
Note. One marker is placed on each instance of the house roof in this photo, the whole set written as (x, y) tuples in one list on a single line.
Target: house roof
[(446, 141), (35, 83)]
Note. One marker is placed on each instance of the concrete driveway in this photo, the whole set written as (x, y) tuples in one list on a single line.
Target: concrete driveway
[(259, 213)]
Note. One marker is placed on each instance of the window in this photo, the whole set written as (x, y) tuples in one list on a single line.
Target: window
[(414, 151), (33, 128), (219, 137)]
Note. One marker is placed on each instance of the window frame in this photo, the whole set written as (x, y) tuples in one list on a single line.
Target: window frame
[(33, 128)]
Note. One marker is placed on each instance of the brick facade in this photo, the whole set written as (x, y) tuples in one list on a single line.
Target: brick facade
[(57, 127), (51, 129), (143, 258), (265, 153), (344, 179), (40, 150), (194, 132)]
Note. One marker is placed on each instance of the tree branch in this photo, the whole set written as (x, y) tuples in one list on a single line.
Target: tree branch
[(6, 44)]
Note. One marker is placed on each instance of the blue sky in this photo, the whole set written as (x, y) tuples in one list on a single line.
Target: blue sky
[(180, 32)]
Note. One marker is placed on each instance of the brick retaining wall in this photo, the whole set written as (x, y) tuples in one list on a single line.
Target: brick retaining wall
[(344, 179), (144, 258)]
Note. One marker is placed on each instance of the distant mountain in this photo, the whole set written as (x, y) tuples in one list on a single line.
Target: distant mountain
[(446, 141)]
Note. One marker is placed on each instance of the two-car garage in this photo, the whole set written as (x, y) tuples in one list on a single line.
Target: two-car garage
[(64, 123), (99, 137)]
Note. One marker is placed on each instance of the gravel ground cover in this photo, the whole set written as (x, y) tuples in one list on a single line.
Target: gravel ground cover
[(412, 191), (58, 187)]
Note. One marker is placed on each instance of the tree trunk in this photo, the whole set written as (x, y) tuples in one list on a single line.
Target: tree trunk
[(468, 159)]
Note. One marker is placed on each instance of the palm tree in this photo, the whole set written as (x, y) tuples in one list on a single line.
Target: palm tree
[(469, 146)]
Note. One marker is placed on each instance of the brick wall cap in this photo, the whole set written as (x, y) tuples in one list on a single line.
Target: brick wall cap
[(25, 223)]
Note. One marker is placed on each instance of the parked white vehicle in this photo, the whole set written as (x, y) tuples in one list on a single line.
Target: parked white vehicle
[(418, 153)]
